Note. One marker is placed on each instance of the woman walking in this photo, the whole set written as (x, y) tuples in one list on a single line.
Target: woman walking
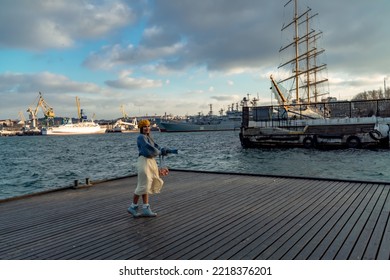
[(149, 181)]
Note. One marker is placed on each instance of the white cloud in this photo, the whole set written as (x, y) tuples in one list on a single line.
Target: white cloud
[(39, 25), (19, 91), (347, 86), (152, 32), (186, 44), (127, 82), (43, 81), (112, 56), (225, 98)]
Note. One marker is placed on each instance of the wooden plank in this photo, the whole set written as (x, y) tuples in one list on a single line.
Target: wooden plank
[(203, 216), (311, 240), (62, 213), (379, 244), (198, 219), (332, 242), (198, 222), (369, 221), (53, 223), (232, 224), (356, 225), (250, 221), (309, 226), (269, 239), (270, 222), (234, 228)]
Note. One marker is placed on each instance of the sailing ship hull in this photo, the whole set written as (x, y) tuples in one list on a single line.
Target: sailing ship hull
[(305, 122), (347, 132), (256, 138), (74, 129)]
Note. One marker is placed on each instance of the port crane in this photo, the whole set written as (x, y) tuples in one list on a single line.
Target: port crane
[(22, 120), (47, 110), (80, 112), (125, 116)]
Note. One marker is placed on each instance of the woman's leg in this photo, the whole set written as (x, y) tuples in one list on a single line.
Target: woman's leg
[(145, 198), (134, 206), (135, 199), (146, 207)]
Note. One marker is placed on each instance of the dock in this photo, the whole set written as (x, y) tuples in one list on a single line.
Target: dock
[(203, 216)]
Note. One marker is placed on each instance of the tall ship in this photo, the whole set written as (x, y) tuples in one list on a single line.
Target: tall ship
[(83, 126), (305, 115), (210, 122)]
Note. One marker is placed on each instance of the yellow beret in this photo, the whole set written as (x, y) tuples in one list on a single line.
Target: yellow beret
[(143, 123)]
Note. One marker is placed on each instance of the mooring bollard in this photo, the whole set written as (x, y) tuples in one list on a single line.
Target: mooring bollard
[(76, 183), (87, 181)]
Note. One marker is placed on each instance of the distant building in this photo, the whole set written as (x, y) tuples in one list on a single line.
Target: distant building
[(6, 123), (329, 99)]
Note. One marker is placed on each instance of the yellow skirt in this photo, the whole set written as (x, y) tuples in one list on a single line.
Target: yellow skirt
[(149, 181)]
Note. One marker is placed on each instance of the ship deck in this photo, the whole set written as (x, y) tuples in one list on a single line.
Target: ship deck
[(203, 215)]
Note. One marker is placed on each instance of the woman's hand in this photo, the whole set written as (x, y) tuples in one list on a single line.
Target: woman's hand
[(163, 171)]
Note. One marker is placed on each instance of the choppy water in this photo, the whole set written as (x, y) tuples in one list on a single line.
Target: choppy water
[(37, 163)]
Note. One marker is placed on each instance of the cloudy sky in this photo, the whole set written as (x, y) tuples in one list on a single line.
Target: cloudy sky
[(173, 56)]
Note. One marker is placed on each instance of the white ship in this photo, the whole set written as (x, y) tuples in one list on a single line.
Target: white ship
[(70, 128), (84, 126)]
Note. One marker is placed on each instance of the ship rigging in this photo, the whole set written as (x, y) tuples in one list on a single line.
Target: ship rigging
[(306, 121), (302, 55)]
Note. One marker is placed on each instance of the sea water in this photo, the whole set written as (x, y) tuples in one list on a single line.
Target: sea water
[(37, 163)]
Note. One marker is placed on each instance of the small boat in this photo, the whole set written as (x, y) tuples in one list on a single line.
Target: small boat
[(7, 133), (124, 126), (309, 120)]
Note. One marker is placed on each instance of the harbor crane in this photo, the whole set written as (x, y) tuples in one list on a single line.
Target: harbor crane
[(124, 115), (47, 110), (80, 112), (22, 120)]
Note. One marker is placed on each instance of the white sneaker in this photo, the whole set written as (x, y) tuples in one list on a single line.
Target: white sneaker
[(147, 212), (133, 211)]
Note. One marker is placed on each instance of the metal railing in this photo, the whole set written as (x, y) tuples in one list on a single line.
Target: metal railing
[(329, 110)]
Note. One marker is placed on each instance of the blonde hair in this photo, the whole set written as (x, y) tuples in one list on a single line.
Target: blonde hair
[(143, 123)]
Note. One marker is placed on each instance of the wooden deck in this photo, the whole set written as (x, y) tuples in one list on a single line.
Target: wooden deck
[(203, 216)]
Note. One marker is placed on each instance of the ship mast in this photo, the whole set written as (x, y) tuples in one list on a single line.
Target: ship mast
[(304, 57), (307, 59), (296, 43)]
